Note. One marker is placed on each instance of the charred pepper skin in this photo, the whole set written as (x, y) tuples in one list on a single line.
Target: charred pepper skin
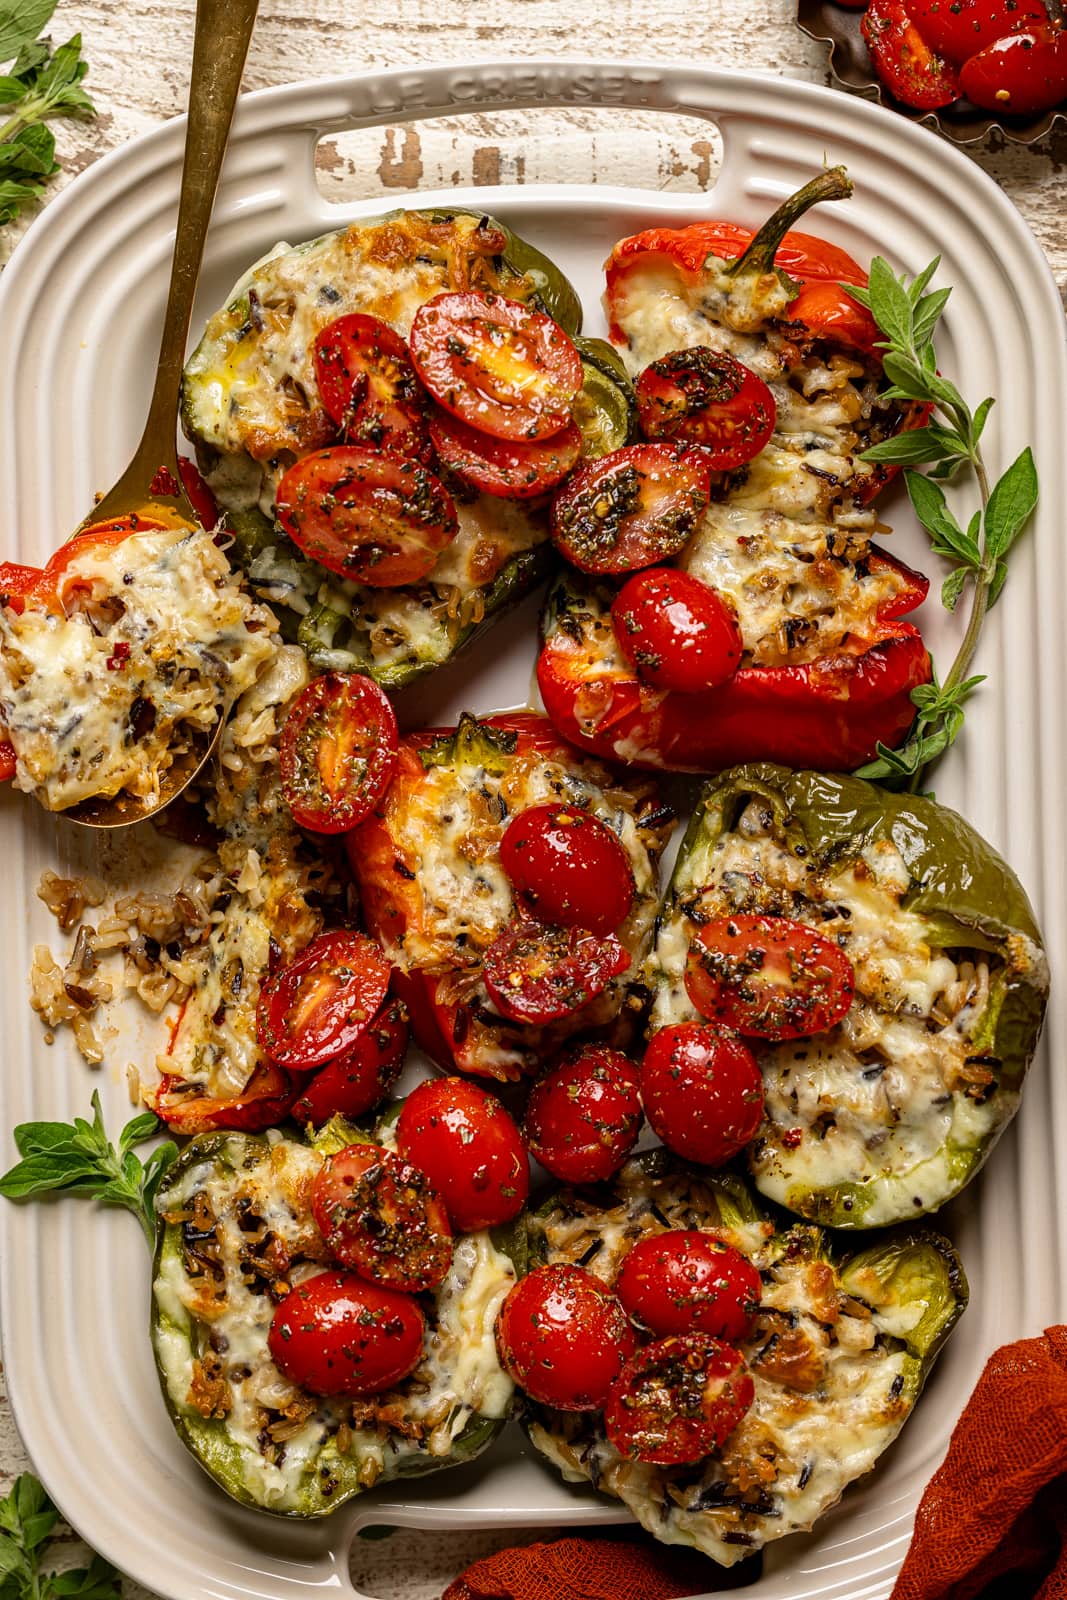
[(968, 899), (334, 1479)]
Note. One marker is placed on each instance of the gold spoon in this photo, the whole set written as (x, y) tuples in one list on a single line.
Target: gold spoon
[(151, 484)]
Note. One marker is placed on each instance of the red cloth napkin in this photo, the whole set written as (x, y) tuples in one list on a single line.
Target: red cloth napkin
[(584, 1569), (993, 1520)]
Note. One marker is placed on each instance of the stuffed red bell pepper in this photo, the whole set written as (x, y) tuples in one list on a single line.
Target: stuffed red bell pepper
[(495, 975)]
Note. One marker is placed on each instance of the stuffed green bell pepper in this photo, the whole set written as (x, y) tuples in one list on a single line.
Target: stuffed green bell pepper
[(235, 1235), (256, 399), (889, 1111), (838, 1349)]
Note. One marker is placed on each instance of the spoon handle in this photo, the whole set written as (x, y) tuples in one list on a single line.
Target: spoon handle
[(223, 31)]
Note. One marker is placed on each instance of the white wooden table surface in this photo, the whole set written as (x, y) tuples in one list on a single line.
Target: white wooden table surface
[(139, 50)]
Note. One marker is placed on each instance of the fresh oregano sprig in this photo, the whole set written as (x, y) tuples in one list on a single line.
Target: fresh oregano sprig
[(79, 1158), (949, 443), (39, 83), (27, 1520)]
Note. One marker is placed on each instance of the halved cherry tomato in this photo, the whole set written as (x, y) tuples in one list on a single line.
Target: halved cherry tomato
[(768, 976), (319, 1004), (535, 973), (501, 366), (263, 1103), (374, 518), (563, 1337), (568, 868), (469, 1148), (677, 1400), (903, 61), (369, 387), (355, 1082), (511, 469), (632, 508), (337, 751), (583, 1118), (958, 29), (677, 632), (337, 1334), (1020, 75), (380, 1216), (707, 397), (702, 1092), (685, 1281)]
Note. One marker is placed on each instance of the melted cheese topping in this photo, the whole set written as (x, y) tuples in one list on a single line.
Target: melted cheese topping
[(897, 1091), (101, 701), (832, 1389), (457, 1379)]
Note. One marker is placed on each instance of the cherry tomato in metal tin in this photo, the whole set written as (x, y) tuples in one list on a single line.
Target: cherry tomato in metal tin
[(497, 364), (677, 1400), (535, 974), (379, 1216), (583, 1118), (707, 397), (568, 867), (377, 519), (1020, 75), (356, 1081), (469, 1148), (903, 61), (958, 29), (632, 508), (678, 632), (768, 976), (690, 1282), (337, 751), (702, 1092), (510, 469), (337, 1334), (369, 387), (319, 1004), (563, 1337)]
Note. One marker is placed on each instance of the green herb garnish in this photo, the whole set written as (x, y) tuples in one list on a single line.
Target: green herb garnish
[(79, 1158), (40, 83), (27, 1518), (949, 443)]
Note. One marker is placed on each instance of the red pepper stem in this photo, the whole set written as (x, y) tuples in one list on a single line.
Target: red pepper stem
[(833, 184)]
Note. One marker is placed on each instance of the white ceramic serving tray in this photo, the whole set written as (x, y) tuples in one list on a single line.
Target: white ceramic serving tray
[(79, 309)]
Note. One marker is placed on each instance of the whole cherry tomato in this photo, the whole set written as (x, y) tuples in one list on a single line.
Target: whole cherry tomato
[(958, 29), (563, 1337), (1020, 75), (632, 508), (702, 1092), (337, 1334), (535, 973), (470, 1149), (368, 386), (355, 1082), (511, 469), (319, 1004), (568, 868), (768, 976), (707, 397), (377, 519), (677, 1400), (902, 59), (583, 1118), (690, 1282), (379, 1216), (497, 364), (337, 751), (679, 633)]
